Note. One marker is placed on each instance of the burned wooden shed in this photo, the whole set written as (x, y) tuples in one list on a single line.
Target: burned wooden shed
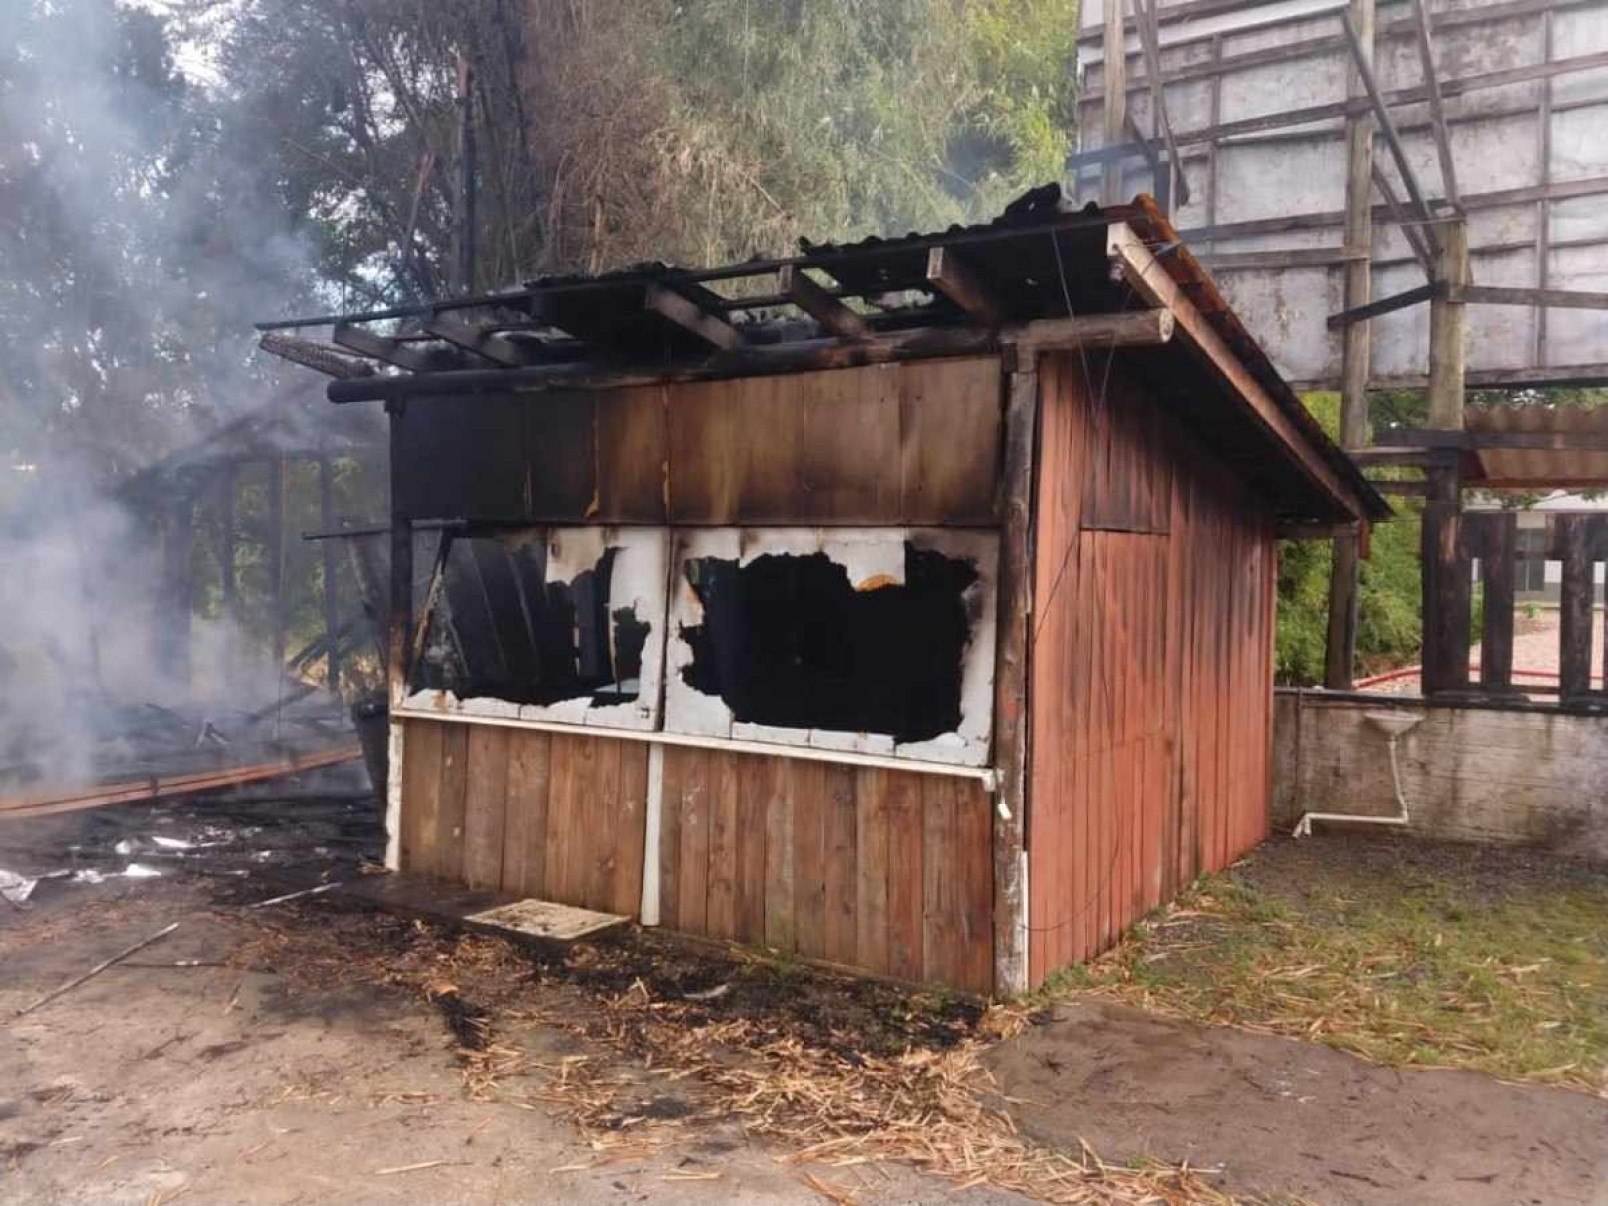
[(905, 605)]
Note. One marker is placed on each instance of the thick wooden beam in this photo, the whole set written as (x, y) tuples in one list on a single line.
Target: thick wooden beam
[(378, 347), (947, 274), (1128, 329), (1150, 42), (820, 305), (1426, 438), (1396, 301), (487, 345), (1501, 295), (1574, 607), (1448, 320), (1150, 280), (692, 318), (1496, 574)]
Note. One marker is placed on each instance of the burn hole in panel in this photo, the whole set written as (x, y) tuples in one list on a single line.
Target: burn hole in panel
[(787, 640), (500, 629)]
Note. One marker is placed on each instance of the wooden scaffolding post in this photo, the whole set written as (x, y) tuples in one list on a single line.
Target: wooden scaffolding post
[(1355, 355), (1447, 321), (1114, 106), (332, 598)]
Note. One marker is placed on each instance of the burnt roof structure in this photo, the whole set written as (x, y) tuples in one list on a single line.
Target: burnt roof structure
[(964, 290)]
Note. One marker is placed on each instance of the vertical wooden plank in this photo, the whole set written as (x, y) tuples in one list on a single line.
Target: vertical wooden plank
[(721, 918), (570, 785), (675, 762), (1011, 670), (1574, 608), (692, 891), (941, 960), (629, 829), (906, 876), (756, 786), (448, 862), (871, 865), (842, 874), (421, 794), (525, 839), (975, 874), (1496, 571), (780, 847), (485, 805), (809, 856)]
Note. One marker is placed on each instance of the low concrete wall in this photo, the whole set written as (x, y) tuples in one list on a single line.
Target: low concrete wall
[(1470, 774)]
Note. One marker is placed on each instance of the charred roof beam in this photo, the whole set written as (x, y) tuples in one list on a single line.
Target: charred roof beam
[(478, 342), (949, 275), (834, 317), (377, 347), (691, 317)]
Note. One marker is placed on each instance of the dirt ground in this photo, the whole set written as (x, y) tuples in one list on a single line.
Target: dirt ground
[(1282, 1117), (322, 1050)]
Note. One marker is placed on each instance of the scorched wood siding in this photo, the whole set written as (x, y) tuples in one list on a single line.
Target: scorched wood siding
[(1151, 662)]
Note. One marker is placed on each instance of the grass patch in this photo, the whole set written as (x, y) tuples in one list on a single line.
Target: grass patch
[(1402, 953)]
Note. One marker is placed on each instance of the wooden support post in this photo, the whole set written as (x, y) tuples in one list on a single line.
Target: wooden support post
[(1114, 101), (177, 537), (332, 599), (1355, 355), (1011, 679), (1574, 608), (277, 550), (399, 646), (1496, 554), (1447, 347)]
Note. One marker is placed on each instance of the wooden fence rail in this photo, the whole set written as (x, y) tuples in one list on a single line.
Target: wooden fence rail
[(1452, 541)]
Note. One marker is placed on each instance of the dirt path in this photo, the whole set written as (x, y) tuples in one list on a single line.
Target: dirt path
[(1284, 1117), (230, 1085)]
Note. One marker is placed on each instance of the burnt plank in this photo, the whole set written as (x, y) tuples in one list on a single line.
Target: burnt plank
[(842, 876), (485, 805), (670, 788), (810, 808), (629, 831), (692, 890), (525, 838), (722, 890), (906, 876), (756, 780), (421, 793), (780, 907), (951, 431), (448, 860), (632, 452), (872, 789)]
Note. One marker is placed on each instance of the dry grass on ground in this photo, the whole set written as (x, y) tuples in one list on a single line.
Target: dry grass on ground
[(1404, 953)]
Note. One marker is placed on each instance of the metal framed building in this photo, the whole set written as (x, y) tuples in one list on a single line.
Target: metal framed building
[(905, 605)]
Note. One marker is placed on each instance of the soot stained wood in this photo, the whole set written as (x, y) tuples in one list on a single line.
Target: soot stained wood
[(789, 641), (502, 630)]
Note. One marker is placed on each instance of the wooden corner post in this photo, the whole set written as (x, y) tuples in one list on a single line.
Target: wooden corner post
[(398, 642), (1011, 716)]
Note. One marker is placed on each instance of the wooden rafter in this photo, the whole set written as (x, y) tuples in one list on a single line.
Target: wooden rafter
[(692, 318), (1387, 124), (378, 347), (947, 274), (1399, 215), (486, 345), (820, 305), (1385, 305), (1151, 281)]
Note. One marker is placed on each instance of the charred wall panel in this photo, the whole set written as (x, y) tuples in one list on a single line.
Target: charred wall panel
[(1151, 672), (915, 443)]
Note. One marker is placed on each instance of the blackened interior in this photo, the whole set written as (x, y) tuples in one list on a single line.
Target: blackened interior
[(499, 629), (788, 641)]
